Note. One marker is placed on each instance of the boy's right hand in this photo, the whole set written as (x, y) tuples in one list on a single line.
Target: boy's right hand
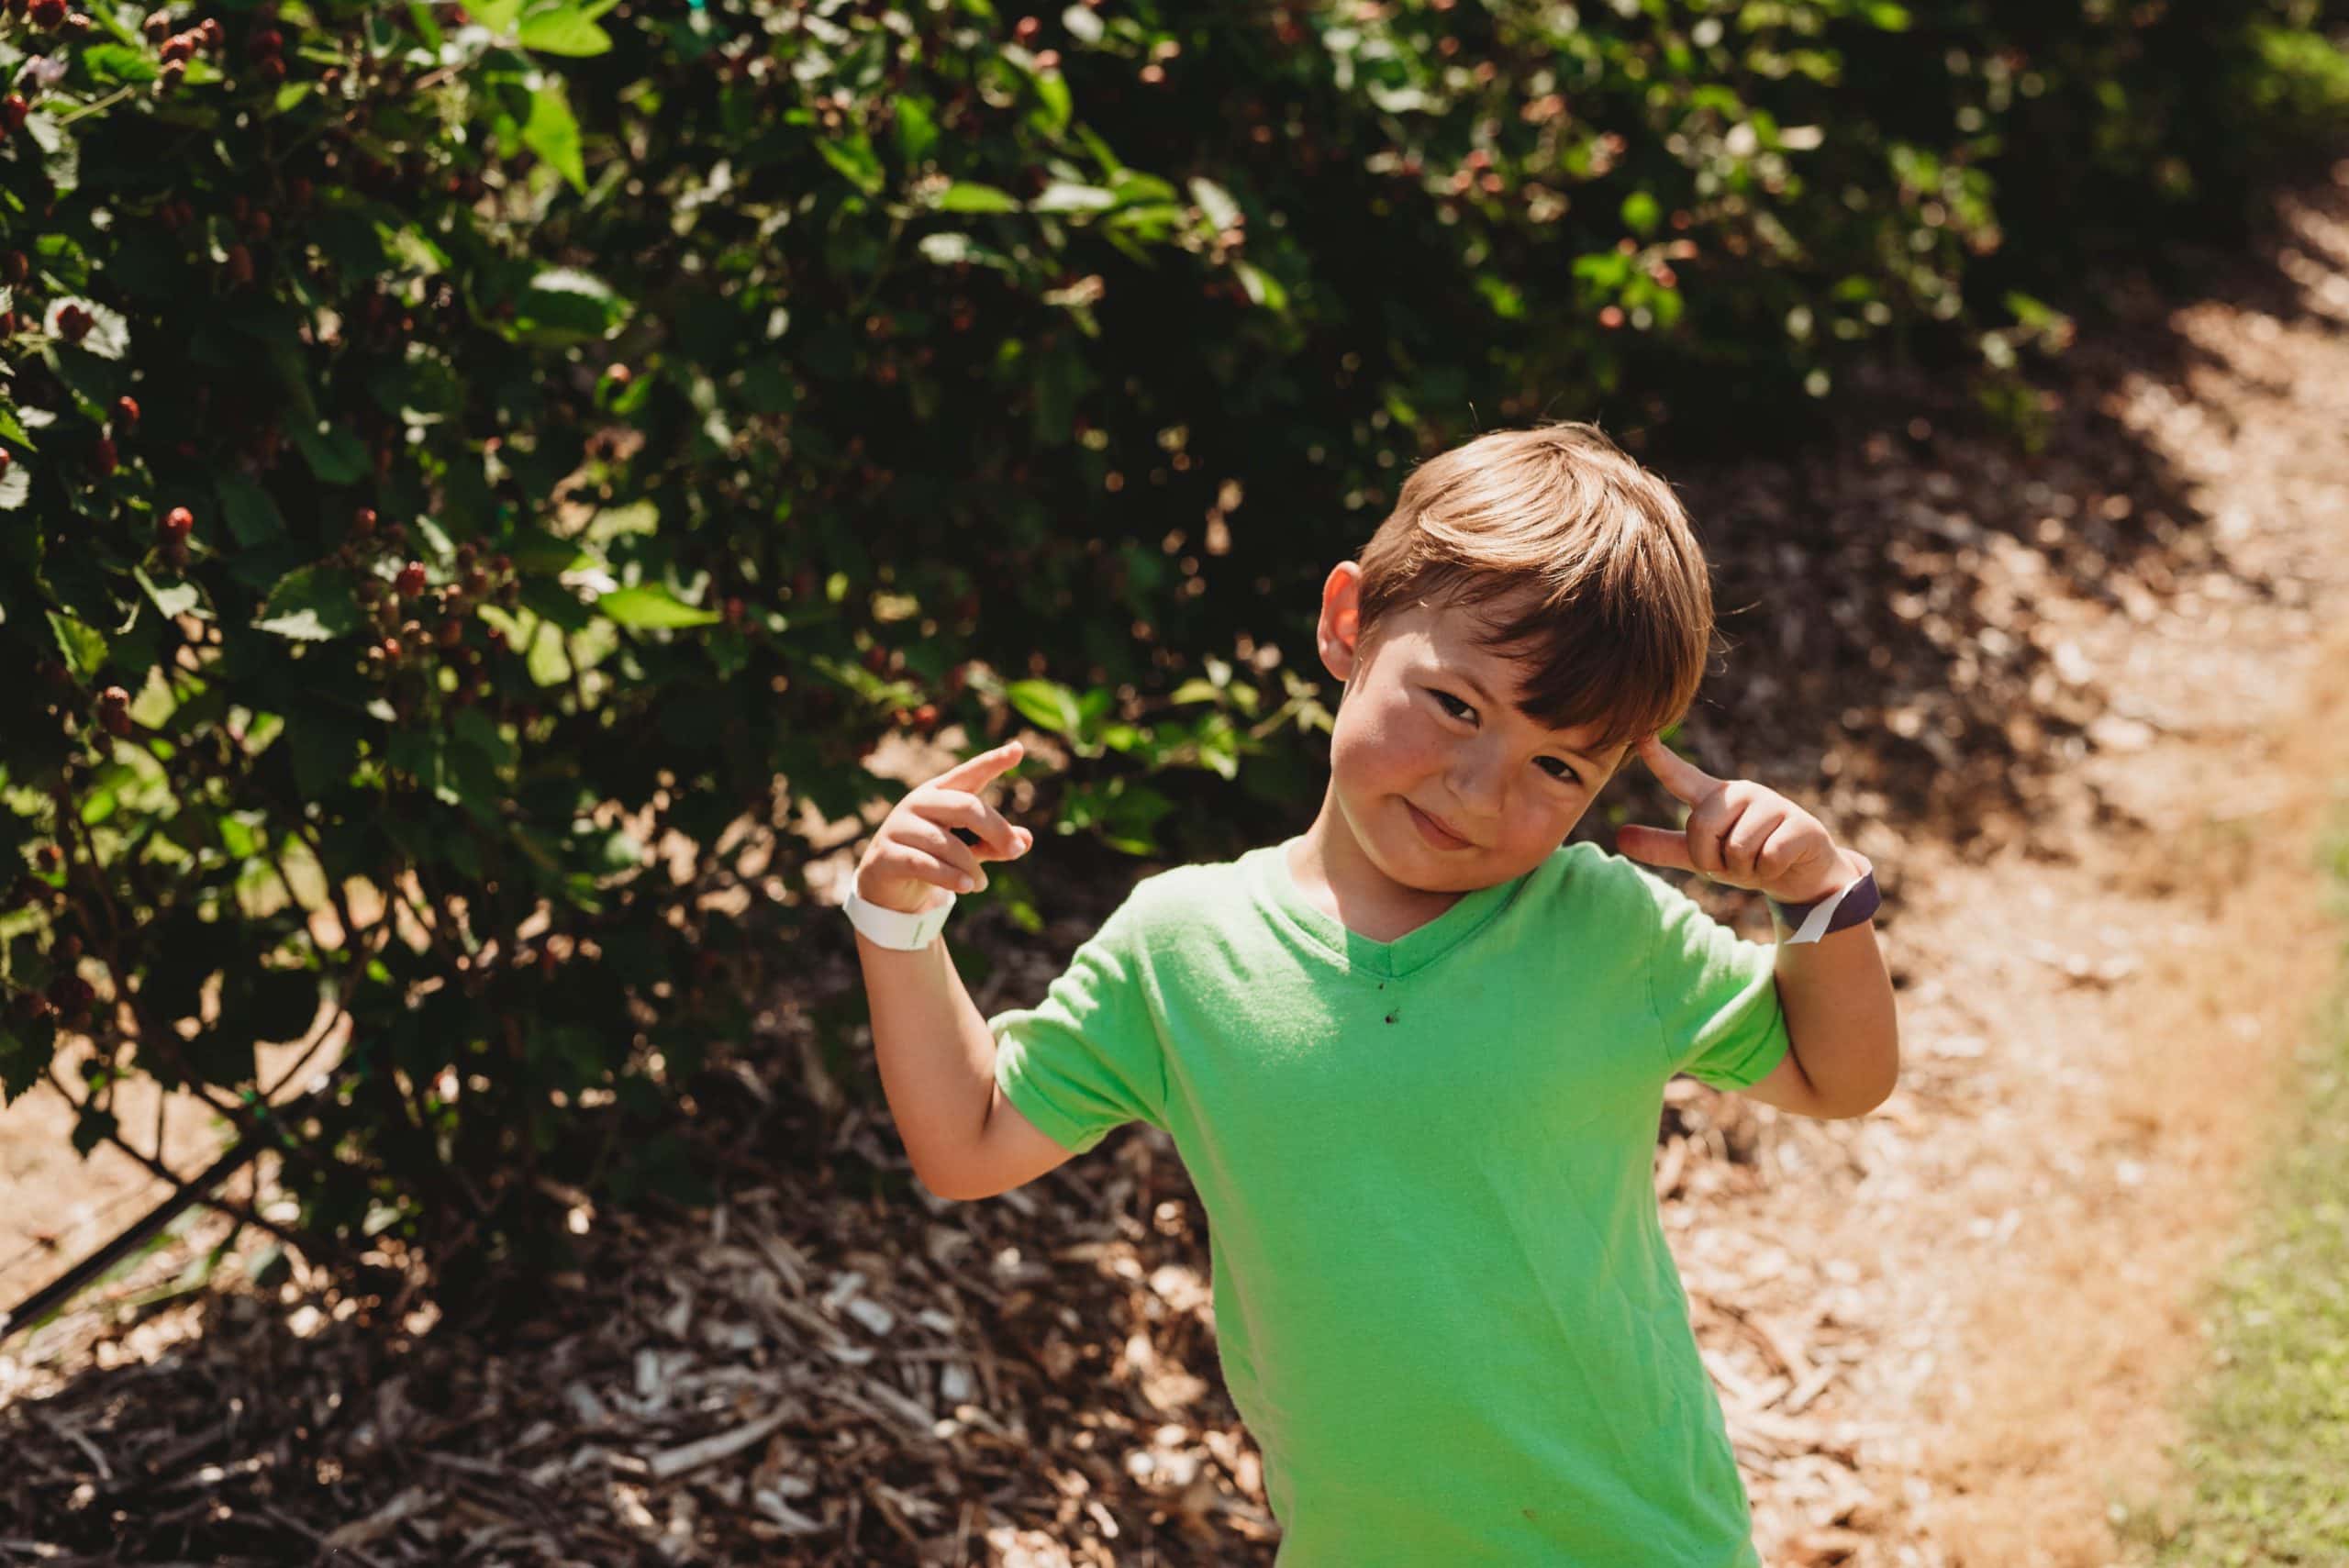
[(917, 849)]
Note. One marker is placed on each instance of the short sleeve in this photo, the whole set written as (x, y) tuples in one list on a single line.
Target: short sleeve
[(1087, 1058), (1715, 995)]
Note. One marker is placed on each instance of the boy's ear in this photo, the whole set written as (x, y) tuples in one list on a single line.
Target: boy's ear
[(1340, 627)]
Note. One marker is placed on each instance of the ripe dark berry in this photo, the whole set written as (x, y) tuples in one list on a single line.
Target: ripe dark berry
[(272, 68), (363, 521), (266, 42), (178, 521), (17, 265), (15, 108), (158, 27), (125, 409), (46, 13), (4, 461), (178, 49), (51, 857), (410, 582), (102, 454), (73, 323), (117, 721), (240, 263), (503, 565), (214, 33)]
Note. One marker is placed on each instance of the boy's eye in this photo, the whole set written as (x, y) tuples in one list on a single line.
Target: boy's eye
[(1565, 769)]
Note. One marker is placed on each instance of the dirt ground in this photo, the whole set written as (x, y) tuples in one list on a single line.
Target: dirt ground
[(2088, 712)]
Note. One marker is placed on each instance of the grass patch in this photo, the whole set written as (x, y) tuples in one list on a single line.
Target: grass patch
[(2268, 1451)]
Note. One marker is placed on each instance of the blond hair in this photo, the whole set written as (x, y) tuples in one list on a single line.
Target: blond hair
[(1613, 600)]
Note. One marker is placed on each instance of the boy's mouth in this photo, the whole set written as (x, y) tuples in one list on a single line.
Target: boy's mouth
[(1434, 831)]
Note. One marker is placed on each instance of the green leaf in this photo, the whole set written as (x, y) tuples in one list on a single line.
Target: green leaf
[(917, 131), (251, 516), (84, 647), (965, 196), (311, 605), (175, 601), (1215, 202), (552, 133), (855, 157), (113, 62), (565, 304), (335, 455), (1053, 102), (1063, 196), (562, 32), (1047, 704), (648, 606)]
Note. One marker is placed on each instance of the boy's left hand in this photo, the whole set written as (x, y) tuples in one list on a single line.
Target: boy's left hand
[(1739, 832)]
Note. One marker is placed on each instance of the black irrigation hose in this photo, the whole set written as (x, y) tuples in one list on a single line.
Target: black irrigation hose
[(49, 1298)]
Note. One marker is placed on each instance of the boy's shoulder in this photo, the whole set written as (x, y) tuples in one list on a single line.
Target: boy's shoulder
[(1598, 873)]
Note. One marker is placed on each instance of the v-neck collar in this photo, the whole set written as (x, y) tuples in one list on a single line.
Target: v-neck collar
[(1414, 950)]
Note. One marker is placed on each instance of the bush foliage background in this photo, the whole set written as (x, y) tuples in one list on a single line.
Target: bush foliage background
[(439, 436)]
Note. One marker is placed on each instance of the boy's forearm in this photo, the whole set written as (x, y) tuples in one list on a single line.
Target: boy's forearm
[(1840, 1011), (936, 1054)]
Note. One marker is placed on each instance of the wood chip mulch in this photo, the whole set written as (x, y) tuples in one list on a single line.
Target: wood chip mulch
[(829, 1367)]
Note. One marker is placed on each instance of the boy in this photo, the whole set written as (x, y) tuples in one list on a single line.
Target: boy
[(1414, 1057)]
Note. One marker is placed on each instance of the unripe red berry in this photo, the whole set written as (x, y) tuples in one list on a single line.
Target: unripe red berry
[(177, 48), (125, 409), (15, 108), (5, 460), (1026, 29), (391, 646), (158, 26), (273, 69), (215, 35), (178, 522), (102, 454), (410, 582), (363, 521), (240, 263)]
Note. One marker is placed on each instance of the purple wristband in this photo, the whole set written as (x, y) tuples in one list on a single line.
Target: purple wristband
[(1850, 905)]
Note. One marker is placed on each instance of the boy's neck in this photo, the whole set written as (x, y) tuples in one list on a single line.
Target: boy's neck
[(1330, 870)]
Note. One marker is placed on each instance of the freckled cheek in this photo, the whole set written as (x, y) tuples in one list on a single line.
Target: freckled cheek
[(1386, 749)]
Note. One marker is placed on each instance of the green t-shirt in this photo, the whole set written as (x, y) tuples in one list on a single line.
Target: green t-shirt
[(1444, 1302)]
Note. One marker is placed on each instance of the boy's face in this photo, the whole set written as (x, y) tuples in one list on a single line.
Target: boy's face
[(1429, 724)]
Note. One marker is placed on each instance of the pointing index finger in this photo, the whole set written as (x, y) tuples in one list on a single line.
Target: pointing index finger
[(1684, 778), (973, 772)]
